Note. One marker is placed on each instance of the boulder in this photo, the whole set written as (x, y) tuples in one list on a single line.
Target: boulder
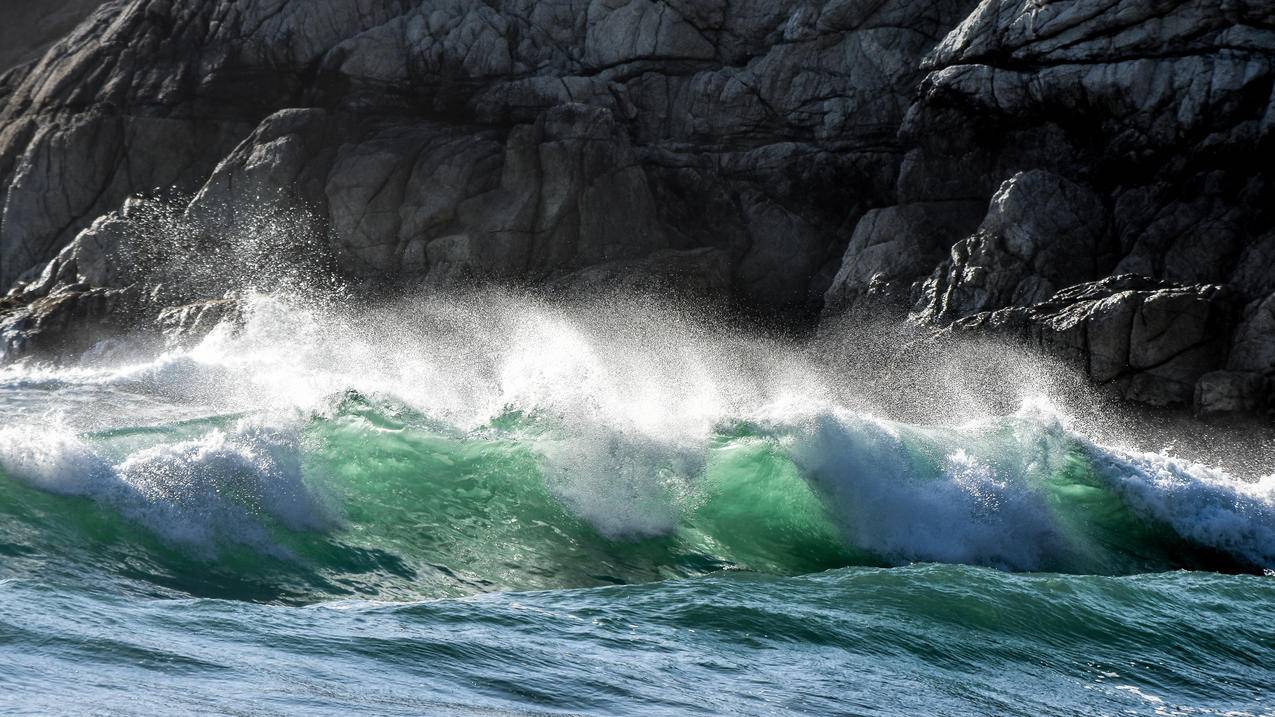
[(188, 323), (1151, 341), (1253, 347), (890, 247), (70, 321)]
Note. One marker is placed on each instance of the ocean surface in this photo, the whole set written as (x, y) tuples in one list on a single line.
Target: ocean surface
[(498, 506)]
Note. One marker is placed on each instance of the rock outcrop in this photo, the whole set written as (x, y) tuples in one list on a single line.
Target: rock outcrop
[(517, 140), (1041, 233), (70, 320), (971, 164), (1152, 341), (1102, 137)]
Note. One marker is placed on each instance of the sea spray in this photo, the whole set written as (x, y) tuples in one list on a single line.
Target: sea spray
[(318, 494), (451, 446)]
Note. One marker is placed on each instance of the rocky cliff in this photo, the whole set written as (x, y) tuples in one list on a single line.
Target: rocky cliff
[(27, 29), (1053, 145), (1091, 176)]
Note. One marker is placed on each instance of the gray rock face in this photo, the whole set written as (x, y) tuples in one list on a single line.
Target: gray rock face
[(1254, 345), (1164, 111), (1103, 137), (892, 246), (1151, 341), (69, 321), (1041, 233), (189, 322), (979, 164), (513, 140), (27, 28), (699, 274), (1229, 393)]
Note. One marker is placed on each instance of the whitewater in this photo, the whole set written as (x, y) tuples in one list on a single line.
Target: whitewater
[(502, 504)]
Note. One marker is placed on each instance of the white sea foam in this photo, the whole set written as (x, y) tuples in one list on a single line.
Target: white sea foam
[(1204, 505), (222, 487), (52, 458), (981, 493), (940, 495), (635, 398)]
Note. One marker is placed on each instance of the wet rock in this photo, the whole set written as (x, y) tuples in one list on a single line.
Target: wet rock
[(188, 323), (891, 247), (1151, 341), (1165, 112), (986, 164), (553, 136), (27, 29), (70, 321), (1253, 348), (1255, 272), (1107, 138), (694, 274)]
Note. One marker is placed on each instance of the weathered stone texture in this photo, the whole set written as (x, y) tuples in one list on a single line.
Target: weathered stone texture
[(1089, 175)]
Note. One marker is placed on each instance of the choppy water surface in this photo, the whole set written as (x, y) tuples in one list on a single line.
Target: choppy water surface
[(462, 507)]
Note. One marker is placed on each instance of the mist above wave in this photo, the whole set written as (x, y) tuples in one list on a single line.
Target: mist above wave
[(447, 435)]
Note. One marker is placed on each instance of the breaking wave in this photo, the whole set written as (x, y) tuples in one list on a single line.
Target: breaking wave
[(309, 455)]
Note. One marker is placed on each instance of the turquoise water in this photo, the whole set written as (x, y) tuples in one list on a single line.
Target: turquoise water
[(517, 510), (929, 639)]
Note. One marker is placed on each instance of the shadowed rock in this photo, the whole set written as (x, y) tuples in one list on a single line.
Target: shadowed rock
[(1151, 341), (553, 136), (984, 163)]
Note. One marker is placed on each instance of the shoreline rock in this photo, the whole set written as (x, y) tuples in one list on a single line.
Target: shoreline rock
[(1090, 176)]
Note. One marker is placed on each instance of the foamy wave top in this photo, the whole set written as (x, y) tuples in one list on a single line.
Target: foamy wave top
[(221, 488)]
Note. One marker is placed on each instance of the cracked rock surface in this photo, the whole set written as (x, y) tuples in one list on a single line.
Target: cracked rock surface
[(1089, 175), (512, 140), (1103, 138)]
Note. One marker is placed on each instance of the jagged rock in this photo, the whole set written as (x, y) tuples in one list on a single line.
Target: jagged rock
[(27, 29), (1166, 111), (64, 172), (552, 136), (557, 194), (827, 154), (120, 248), (279, 168), (1123, 70), (1255, 272), (1145, 129), (1150, 340), (190, 322), (1041, 233), (70, 321), (1254, 346), (892, 246)]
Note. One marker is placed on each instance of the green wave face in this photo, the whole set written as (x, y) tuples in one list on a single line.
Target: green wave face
[(486, 509), (372, 499), (398, 506)]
